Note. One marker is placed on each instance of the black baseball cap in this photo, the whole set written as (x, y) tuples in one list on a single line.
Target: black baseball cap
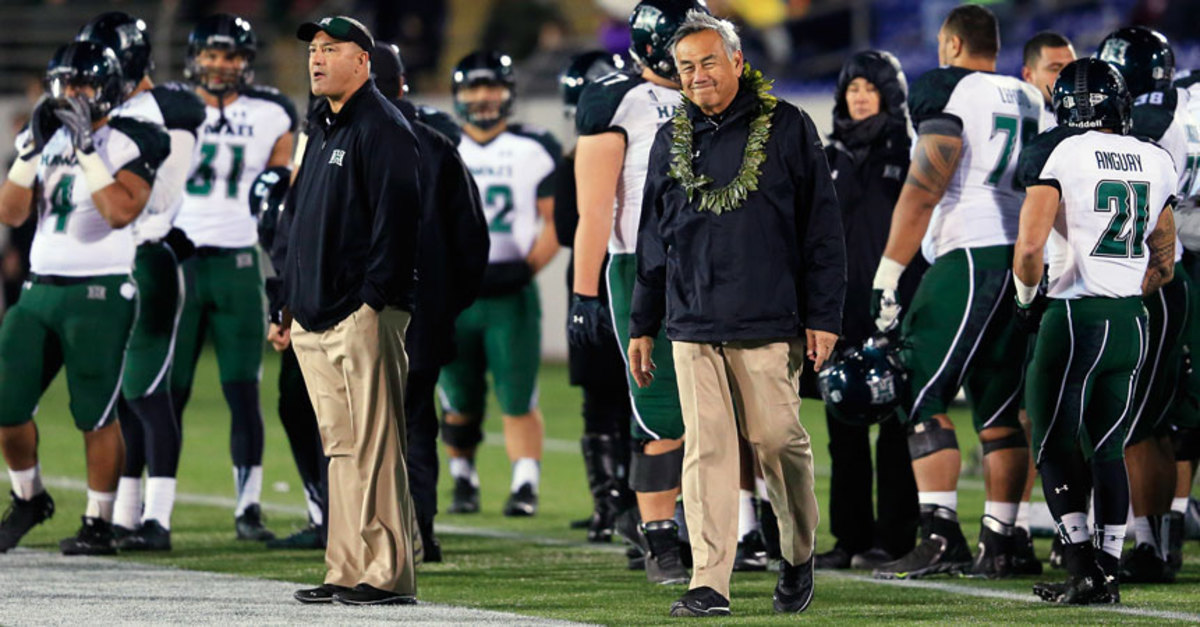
[(339, 27)]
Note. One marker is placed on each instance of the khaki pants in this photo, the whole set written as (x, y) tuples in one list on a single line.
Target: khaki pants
[(756, 382), (355, 374)]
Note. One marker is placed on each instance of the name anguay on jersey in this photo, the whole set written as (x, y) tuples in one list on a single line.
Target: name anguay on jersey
[(997, 116), (636, 108)]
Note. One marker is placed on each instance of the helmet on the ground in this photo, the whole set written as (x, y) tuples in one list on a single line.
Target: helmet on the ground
[(863, 385), (1091, 94), (221, 32), (583, 69), (1143, 56), (126, 36), (483, 67), (652, 26), (86, 64)]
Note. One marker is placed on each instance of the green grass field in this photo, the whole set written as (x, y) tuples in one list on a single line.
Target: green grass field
[(539, 566)]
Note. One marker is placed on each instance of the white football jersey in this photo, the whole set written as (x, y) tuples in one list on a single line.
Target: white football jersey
[(227, 159), (1163, 117), (999, 114), (72, 238), (636, 108), (1114, 188), (176, 108), (512, 172)]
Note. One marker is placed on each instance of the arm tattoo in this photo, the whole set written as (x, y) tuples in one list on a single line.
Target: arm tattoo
[(934, 163), (1160, 269)]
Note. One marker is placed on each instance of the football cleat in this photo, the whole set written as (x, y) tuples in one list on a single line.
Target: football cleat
[(151, 536), (836, 558), (1143, 565), (943, 549), (250, 526), (306, 538), (751, 553), (22, 516), (523, 502), (95, 537), (465, 499), (664, 563), (996, 549), (1024, 560)]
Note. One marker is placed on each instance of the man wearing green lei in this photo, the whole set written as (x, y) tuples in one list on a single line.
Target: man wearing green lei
[(740, 255)]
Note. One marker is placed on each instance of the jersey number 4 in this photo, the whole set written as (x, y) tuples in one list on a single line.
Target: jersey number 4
[(1129, 199), (201, 181), (60, 202)]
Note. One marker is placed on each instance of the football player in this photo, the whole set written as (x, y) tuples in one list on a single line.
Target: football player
[(150, 428), (247, 129), (617, 119), (960, 205), (514, 167), (1103, 200), (1046, 54), (1147, 62), (93, 175)]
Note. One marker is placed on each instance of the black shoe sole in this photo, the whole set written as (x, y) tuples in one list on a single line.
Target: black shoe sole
[(679, 610), (145, 548), (312, 601), (397, 600), (941, 568), (463, 509), (98, 551)]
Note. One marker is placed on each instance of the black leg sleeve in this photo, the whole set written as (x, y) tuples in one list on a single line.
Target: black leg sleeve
[(899, 512), (161, 434), (246, 432), (135, 439), (422, 430), (300, 424), (851, 511)]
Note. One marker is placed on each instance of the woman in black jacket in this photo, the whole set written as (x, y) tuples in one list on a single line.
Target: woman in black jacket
[(868, 157)]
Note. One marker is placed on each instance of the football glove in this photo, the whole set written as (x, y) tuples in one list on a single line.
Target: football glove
[(42, 125), (180, 244), (1029, 317), (76, 115), (588, 324)]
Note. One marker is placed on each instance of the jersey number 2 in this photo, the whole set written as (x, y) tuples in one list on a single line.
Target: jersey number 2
[(1128, 199), (201, 181), (499, 198), (1008, 124)]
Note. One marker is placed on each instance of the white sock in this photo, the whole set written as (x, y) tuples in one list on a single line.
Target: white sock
[(127, 510), (160, 500), (1023, 515), (760, 487), (464, 468), (747, 517), (525, 470), (1074, 526), (100, 505), (247, 480), (1112, 539), (27, 483), (314, 509), (1144, 532), (1003, 512), (948, 500), (1179, 504)]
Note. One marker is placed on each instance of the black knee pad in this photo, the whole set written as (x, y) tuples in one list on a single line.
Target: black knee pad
[(462, 436), (1186, 441), (656, 473), (1013, 440), (928, 437)]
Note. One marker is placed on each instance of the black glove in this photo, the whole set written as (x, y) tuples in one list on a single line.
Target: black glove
[(1029, 317), (504, 278), (588, 324), (42, 126), (180, 244), (76, 115)]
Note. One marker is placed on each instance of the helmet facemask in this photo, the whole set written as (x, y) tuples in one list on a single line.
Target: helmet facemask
[(484, 104)]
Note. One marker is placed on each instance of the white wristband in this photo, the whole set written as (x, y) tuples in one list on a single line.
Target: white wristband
[(94, 171), (887, 276), (1025, 293), (23, 172)]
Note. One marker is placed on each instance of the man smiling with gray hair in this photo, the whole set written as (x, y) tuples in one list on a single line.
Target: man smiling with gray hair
[(740, 253)]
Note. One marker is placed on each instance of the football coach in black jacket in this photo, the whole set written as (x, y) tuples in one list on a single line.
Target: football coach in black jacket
[(349, 283), (741, 252), (452, 255)]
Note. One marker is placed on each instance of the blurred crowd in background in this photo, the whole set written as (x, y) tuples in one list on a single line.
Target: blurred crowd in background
[(800, 43)]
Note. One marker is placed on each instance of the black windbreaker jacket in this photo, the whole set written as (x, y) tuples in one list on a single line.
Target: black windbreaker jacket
[(765, 270), (354, 213)]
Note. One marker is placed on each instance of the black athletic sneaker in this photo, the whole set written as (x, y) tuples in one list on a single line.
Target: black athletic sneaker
[(664, 563), (996, 548), (22, 516), (151, 536), (751, 553), (698, 602), (1024, 560), (306, 538), (250, 525), (1086, 583), (869, 559), (465, 499), (1143, 565), (321, 594), (943, 549), (836, 558), (95, 537), (523, 502), (363, 594), (1056, 557), (794, 590)]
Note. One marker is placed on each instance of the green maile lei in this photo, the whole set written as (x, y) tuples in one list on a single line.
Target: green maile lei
[(732, 195)]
